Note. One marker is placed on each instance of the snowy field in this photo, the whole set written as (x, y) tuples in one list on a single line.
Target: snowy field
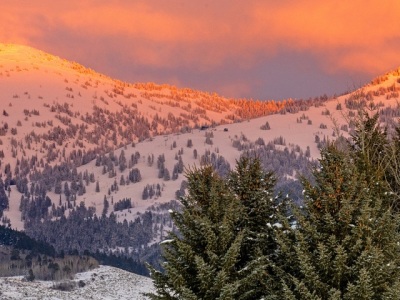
[(105, 282)]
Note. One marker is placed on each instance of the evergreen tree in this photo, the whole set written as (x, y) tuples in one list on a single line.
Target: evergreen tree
[(106, 205), (145, 193), (3, 197), (377, 154), (58, 187), (260, 219), (122, 161), (392, 172), (67, 191), (30, 276), (226, 245), (369, 146), (166, 175), (345, 242), (201, 262)]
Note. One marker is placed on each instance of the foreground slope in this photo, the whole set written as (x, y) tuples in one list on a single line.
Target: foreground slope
[(101, 283)]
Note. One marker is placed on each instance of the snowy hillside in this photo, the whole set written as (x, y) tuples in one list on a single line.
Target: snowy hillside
[(78, 147), (102, 283)]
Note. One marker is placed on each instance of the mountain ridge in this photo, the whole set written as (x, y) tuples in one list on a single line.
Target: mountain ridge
[(78, 148)]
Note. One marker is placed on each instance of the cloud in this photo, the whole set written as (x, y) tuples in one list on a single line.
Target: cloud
[(347, 35), (205, 36)]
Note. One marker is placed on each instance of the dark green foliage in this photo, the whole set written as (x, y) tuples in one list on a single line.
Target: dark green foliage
[(15, 254), (201, 261), (369, 145), (122, 161), (21, 241), (81, 283), (225, 244), (345, 245), (378, 154), (83, 230), (261, 213), (65, 286), (265, 126), (30, 276), (122, 204), (134, 175), (189, 143), (3, 198), (106, 205), (166, 175)]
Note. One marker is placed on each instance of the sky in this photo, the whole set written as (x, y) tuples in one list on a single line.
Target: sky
[(258, 49)]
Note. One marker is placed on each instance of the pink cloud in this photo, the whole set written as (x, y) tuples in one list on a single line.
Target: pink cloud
[(353, 35), (350, 34)]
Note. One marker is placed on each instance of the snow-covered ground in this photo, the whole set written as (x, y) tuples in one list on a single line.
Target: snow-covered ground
[(102, 283)]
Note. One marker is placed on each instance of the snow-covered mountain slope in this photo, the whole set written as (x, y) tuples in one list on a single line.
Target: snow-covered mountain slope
[(63, 124), (101, 283), (53, 111)]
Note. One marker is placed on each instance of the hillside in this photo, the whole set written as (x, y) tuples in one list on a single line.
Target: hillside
[(92, 163), (101, 283)]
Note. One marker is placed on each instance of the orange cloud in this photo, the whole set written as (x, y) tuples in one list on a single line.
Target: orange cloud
[(159, 37), (352, 35)]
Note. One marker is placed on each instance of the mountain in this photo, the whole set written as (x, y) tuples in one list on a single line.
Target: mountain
[(92, 163)]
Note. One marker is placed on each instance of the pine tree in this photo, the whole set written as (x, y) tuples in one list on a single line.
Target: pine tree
[(201, 261), (392, 174), (345, 244), (369, 146), (122, 161), (226, 245), (377, 154), (3, 198), (166, 175), (260, 220)]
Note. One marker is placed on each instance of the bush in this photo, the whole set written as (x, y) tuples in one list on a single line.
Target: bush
[(30, 276), (81, 283), (64, 286)]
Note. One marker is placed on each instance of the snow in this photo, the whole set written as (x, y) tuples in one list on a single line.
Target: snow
[(40, 79), (105, 282), (166, 241)]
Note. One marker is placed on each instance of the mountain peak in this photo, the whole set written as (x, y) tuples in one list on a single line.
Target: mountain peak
[(17, 50), (13, 47)]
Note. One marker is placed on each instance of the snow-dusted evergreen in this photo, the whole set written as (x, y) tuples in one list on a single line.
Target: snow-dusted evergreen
[(225, 248)]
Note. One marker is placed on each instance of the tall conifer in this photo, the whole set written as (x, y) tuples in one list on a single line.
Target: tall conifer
[(201, 261), (345, 243), (226, 245)]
